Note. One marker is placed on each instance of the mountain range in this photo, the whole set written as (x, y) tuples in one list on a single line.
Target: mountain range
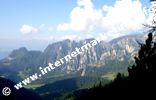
[(106, 57), (99, 63)]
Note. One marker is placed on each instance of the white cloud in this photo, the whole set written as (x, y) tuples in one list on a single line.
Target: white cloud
[(122, 17), (27, 29), (83, 17), (63, 27), (125, 15)]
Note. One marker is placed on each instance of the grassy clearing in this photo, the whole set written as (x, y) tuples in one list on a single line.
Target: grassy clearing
[(33, 86), (110, 76)]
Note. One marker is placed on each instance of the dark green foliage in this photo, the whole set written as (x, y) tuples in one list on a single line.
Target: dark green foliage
[(145, 62), (21, 94), (60, 88)]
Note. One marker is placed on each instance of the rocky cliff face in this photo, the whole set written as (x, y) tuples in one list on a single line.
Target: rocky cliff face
[(24, 62)]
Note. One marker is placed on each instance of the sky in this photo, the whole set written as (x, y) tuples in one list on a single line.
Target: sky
[(36, 23)]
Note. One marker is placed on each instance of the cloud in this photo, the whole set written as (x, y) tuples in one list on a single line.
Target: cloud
[(124, 16), (63, 27), (82, 18), (27, 29)]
